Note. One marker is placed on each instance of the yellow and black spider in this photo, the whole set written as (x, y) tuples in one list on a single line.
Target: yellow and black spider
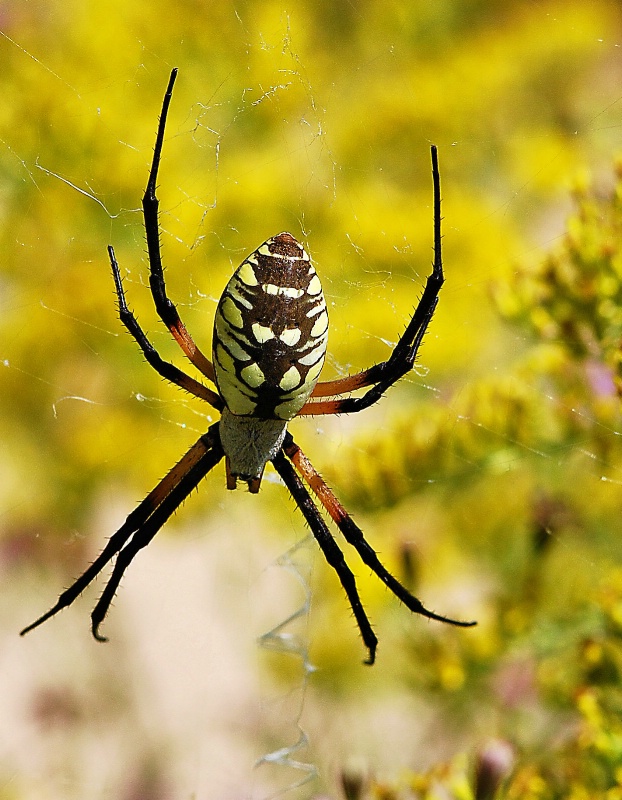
[(269, 344)]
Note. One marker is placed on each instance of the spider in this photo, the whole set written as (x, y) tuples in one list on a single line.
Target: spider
[(269, 344)]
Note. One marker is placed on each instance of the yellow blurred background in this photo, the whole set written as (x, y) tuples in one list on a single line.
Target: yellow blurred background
[(488, 480)]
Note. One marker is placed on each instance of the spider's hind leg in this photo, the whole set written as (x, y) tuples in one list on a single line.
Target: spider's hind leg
[(354, 535), (141, 526), (330, 549)]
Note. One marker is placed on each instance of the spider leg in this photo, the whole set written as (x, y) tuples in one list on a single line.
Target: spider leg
[(390, 372), (384, 375), (330, 549), (143, 523), (354, 535), (186, 483), (167, 370), (164, 306)]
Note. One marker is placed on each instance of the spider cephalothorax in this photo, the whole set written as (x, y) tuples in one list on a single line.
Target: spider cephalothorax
[(269, 344)]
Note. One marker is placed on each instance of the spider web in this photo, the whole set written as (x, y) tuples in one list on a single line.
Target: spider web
[(254, 146)]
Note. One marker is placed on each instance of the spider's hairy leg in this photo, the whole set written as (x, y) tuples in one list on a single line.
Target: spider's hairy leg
[(165, 307), (354, 535), (187, 482), (391, 373), (329, 548), (167, 370), (141, 526), (382, 376)]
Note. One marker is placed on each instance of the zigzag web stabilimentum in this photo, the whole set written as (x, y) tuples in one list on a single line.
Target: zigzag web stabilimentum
[(287, 640)]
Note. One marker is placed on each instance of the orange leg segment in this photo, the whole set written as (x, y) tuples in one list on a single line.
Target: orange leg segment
[(354, 535)]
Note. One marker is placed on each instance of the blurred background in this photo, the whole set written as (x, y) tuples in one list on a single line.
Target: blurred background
[(489, 480)]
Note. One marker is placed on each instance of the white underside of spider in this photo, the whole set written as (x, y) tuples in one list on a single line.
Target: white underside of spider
[(249, 443)]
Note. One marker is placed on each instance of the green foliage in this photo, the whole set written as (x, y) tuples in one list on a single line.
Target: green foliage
[(574, 296)]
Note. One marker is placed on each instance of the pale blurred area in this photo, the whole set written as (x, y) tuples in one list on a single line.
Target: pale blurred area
[(183, 700)]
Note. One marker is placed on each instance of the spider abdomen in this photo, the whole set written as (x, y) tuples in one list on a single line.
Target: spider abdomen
[(270, 332)]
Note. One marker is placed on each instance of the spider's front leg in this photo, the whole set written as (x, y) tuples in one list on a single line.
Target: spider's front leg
[(164, 368), (164, 305), (382, 376)]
